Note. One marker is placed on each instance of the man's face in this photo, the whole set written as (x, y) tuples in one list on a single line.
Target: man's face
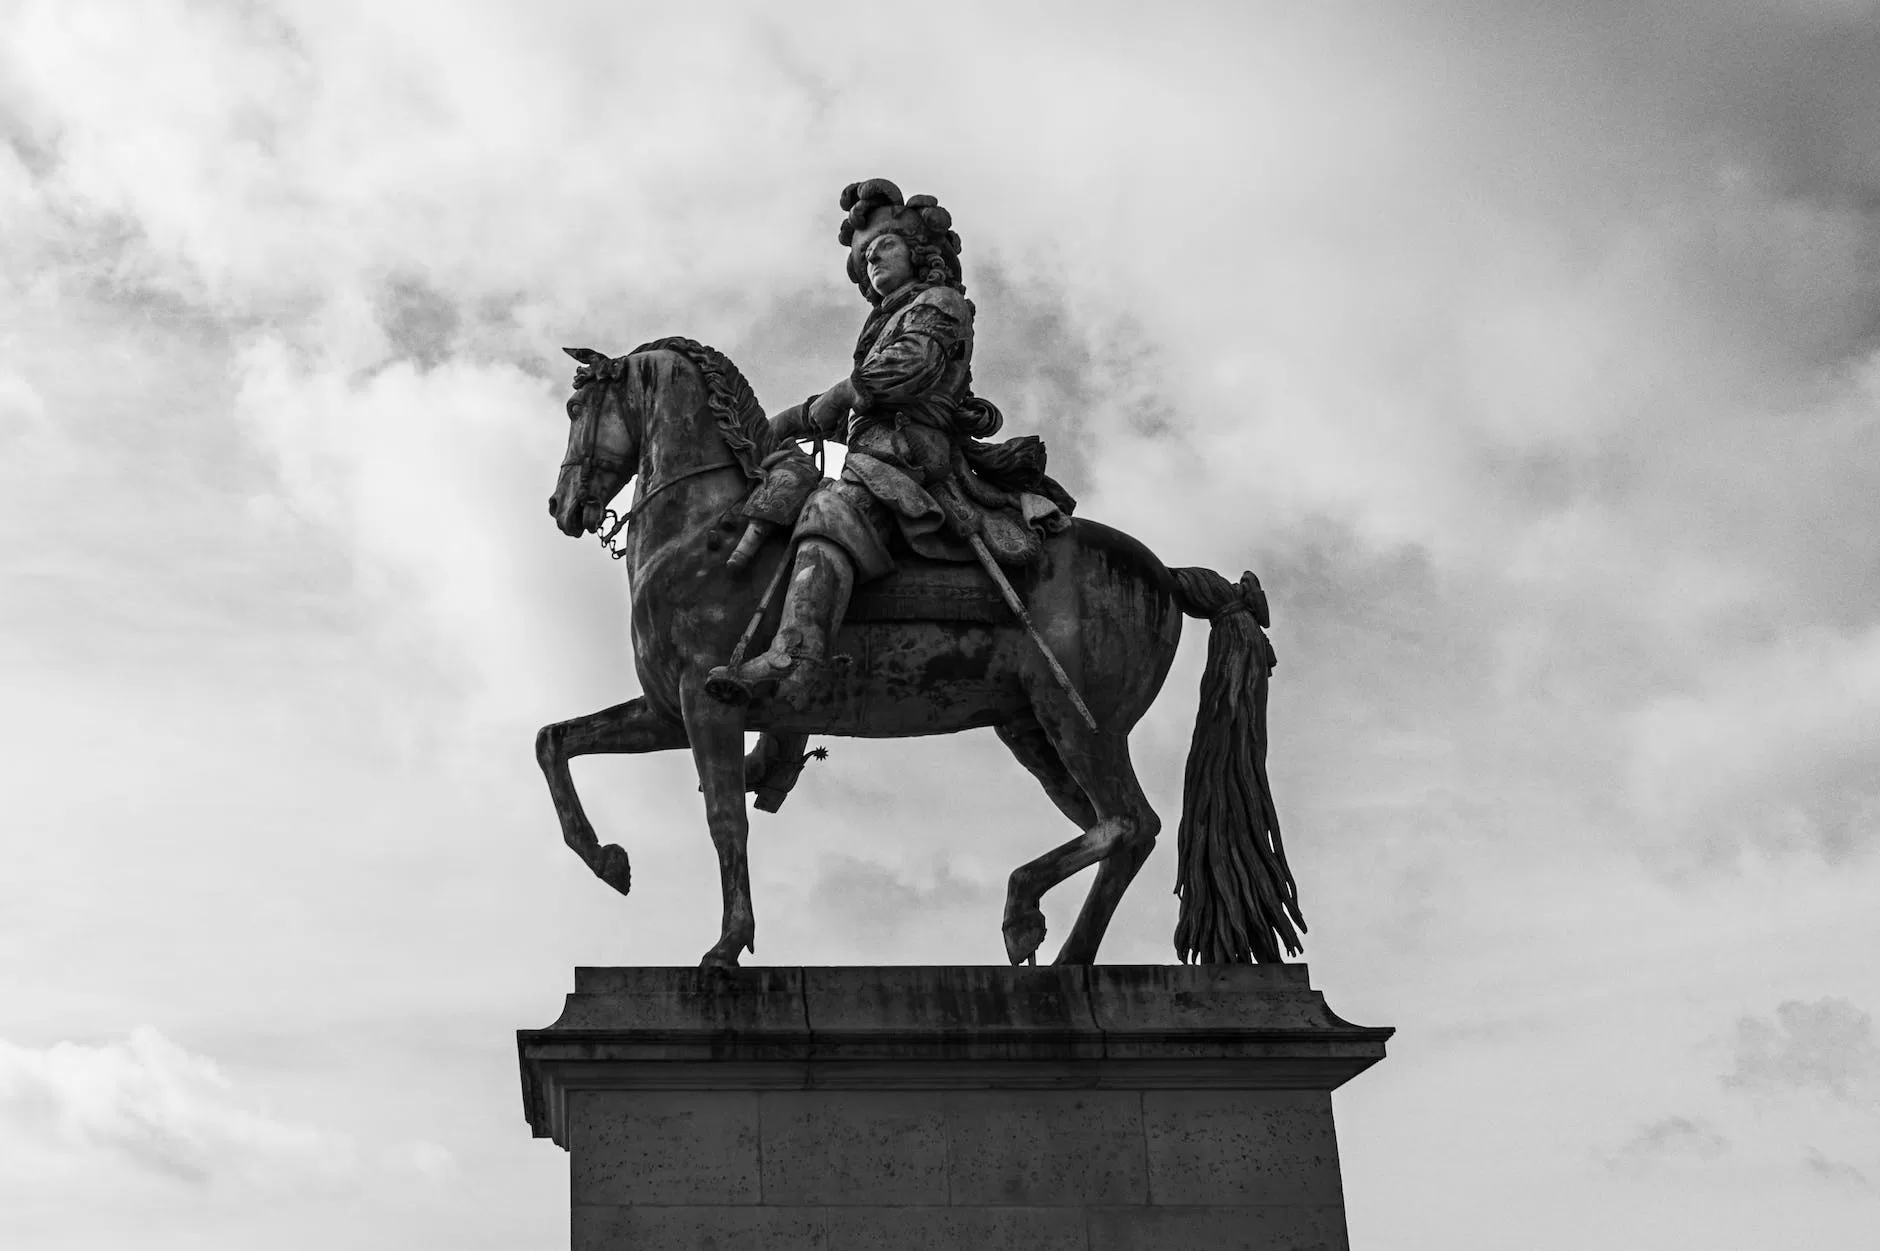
[(890, 264)]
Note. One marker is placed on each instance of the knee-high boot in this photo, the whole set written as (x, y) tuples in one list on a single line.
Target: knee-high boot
[(797, 660)]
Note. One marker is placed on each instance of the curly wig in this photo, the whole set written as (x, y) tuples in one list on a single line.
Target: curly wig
[(877, 207)]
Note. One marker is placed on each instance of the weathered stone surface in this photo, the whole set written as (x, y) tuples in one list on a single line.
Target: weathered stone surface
[(950, 1228), (667, 1146), (692, 1013), (1287, 1228), (1241, 1147), (1046, 1147), (599, 1227), (977, 1108), (1231, 1027), (1226, 1010), (956, 1011), (854, 1147)]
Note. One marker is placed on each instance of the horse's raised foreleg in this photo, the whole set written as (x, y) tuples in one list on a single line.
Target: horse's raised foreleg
[(1089, 776), (627, 728), (716, 731)]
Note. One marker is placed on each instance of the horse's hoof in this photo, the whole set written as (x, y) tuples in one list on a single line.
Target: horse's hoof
[(613, 868), (724, 955), (1023, 934)]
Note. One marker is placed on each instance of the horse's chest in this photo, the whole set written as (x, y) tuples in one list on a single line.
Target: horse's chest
[(683, 620)]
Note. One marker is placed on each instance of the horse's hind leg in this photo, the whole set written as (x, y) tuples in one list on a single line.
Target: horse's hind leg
[(1032, 746), (1090, 777), (1114, 875), (624, 729)]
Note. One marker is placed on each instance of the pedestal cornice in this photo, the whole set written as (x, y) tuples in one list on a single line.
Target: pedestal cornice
[(1243, 1027)]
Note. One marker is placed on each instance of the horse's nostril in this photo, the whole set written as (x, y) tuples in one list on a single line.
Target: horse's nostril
[(554, 506)]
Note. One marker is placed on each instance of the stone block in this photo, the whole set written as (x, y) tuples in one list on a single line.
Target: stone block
[(954, 1228), (684, 1013), (1262, 1012), (1046, 1148), (1156, 998), (1217, 1147), (1284, 1228), (854, 1147), (597, 1227), (951, 1011), (660, 1146)]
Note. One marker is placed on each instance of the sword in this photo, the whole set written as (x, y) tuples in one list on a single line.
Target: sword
[(1018, 607)]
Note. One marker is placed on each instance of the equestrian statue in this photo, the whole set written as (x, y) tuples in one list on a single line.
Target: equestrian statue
[(940, 583)]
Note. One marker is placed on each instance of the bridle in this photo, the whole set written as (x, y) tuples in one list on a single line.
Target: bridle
[(590, 460)]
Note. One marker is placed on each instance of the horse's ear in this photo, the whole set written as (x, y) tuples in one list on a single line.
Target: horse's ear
[(587, 356)]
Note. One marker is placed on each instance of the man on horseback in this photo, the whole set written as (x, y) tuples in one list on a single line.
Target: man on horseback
[(915, 468), (679, 417)]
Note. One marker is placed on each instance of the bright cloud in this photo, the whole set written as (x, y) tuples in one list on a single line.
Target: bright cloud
[(148, 1103)]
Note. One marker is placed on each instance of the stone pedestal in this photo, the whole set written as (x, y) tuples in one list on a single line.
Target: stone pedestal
[(921, 1109)]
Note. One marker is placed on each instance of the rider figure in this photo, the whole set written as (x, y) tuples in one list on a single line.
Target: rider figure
[(902, 411)]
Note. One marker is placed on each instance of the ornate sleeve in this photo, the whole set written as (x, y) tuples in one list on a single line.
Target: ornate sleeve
[(912, 359), (792, 422)]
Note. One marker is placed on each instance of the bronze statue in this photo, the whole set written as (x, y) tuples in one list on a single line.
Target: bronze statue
[(938, 585)]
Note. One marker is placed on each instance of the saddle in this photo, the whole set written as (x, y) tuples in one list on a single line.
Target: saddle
[(997, 492), (931, 590)]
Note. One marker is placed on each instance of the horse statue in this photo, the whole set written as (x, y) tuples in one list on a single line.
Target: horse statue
[(931, 649)]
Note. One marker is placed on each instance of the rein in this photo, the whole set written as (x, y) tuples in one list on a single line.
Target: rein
[(612, 523)]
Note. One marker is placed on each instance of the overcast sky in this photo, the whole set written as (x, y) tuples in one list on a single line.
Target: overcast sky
[(1530, 354)]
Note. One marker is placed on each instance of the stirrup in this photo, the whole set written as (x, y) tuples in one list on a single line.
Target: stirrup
[(740, 686)]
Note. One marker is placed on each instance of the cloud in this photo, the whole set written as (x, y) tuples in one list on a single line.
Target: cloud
[(1836, 1173), (148, 1104), (875, 900), (1827, 1044), (1786, 756), (1673, 1137), (1529, 357)]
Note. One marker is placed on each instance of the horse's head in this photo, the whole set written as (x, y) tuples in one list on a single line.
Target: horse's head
[(603, 444)]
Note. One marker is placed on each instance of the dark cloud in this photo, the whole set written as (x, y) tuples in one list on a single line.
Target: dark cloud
[(800, 342), (1063, 369), (1835, 1173), (1827, 1044), (421, 322), (1673, 1137)]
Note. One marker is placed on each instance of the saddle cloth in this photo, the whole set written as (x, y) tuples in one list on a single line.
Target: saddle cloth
[(921, 590)]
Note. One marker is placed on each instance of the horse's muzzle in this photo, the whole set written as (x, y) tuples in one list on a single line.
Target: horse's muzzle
[(573, 517)]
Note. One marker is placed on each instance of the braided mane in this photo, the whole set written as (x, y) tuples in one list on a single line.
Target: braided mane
[(740, 417)]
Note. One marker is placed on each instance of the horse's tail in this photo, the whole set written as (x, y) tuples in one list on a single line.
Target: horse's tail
[(1238, 898)]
